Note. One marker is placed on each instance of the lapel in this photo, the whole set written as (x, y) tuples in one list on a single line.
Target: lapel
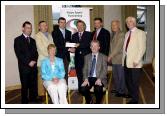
[(44, 39), (61, 36), (82, 36), (89, 62), (99, 34), (25, 41), (98, 64)]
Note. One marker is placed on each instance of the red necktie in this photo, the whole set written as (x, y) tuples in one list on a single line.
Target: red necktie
[(127, 43), (94, 36)]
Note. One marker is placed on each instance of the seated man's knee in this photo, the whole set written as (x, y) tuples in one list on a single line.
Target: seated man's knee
[(98, 88), (84, 89)]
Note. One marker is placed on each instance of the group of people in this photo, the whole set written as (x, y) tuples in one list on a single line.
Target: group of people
[(47, 56)]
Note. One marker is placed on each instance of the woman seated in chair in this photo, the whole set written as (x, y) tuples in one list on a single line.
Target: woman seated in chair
[(53, 73)]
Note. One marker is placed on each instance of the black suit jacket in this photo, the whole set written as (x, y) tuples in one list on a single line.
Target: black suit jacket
[(104, 39), (60, 41), (84, 47), (25, 53)]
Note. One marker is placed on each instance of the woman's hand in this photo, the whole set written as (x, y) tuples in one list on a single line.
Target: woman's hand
[(55, 80)]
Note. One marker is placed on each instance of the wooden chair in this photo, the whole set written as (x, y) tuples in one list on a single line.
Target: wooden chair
[(92, 91)]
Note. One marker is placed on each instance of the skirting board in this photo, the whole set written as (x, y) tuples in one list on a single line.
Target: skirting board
[(14, 87)]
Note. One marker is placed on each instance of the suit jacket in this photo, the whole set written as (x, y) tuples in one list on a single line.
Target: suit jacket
[(25, 53), (116, 47), (42, 43), (60, 41), (101, 67), (84, 47), (104, 39), (135, 49)]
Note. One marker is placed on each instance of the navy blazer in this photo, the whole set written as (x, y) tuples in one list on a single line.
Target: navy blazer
[(104, 39), (60, 41), (25, 53), (84, 47)]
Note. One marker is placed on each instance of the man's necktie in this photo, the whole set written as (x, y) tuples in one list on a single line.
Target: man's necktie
[(127, 43), (94, 36), (80, 36), (64, 34), (93, 66), (28, 39)]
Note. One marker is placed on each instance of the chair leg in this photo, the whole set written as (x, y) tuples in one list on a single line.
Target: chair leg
[(69, 96), (106, 96), (83, 100), (46, 96)]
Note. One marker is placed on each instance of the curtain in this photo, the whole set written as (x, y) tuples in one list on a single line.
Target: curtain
[(96, 11), (43, 12), (128, 10)]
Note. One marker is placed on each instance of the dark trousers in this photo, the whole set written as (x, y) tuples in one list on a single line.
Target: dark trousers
[(29, 88), (98, 91), (118, 78), (79, 63), (66, 64), (132, 76)]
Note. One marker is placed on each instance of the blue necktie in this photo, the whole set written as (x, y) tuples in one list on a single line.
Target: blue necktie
[(93, 66)]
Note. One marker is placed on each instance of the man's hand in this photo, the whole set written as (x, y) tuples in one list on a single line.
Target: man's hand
[(71, 50), (86, 82), (55, 80), (77, 45), (32, 63), (135, 64), (109, 59), (98, 82)]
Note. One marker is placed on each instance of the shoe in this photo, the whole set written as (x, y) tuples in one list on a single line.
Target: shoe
[(113, 91), (119, 95), (132, 102), (128, 96), (91, 102)]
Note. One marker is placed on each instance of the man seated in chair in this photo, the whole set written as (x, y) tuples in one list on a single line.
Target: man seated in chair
[(94, 73), (53, 74)]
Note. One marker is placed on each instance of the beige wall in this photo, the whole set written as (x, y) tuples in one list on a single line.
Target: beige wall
[(14, 17)]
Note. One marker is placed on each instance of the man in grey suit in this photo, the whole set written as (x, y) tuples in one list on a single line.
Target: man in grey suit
[(94, 73), (115, 57)]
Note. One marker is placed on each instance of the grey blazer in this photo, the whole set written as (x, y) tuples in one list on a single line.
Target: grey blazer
[(101, 67)]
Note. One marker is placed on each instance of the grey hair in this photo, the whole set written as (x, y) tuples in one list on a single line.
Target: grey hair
[(131, 18)]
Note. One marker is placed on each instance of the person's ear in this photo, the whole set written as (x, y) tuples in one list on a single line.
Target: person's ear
[(22, 29)]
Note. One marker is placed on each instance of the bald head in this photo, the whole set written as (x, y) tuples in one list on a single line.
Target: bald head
[(131, 22)]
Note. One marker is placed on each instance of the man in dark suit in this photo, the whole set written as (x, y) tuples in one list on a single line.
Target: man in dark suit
[(83, 39), (60, 36), (27, 55), (94, 73), (102, 35)]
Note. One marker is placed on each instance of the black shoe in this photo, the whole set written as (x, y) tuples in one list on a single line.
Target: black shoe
[(132, 102), (91, 102), (128, 96), (113, 91), (120, 95)]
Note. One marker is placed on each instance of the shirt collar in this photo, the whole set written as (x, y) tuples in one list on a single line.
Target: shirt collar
[(25, 35), (80, 32), (95, 54), (98, 30), (62, 29), (133, 29)]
